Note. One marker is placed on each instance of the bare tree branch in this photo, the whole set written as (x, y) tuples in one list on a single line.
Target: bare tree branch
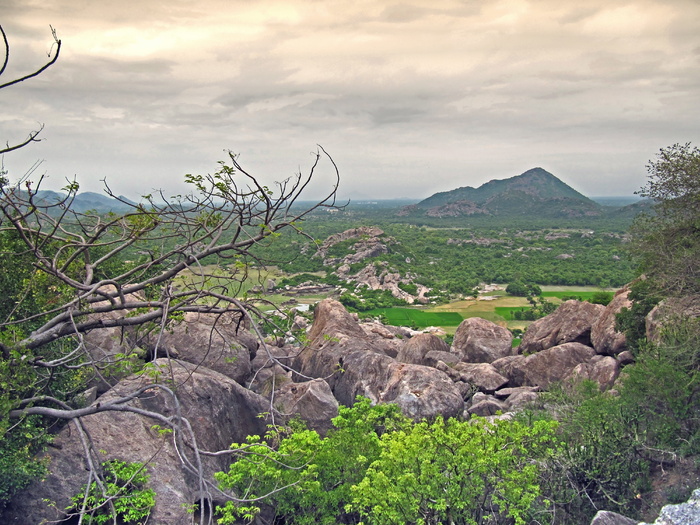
[(33, 134)]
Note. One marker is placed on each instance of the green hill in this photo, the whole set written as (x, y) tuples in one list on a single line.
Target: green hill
[(534, 193)]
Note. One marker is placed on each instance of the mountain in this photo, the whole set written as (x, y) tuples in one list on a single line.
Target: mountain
[(534, 193), (87, 201)]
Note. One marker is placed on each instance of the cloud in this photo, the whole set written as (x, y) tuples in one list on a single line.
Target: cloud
[(410, 97)]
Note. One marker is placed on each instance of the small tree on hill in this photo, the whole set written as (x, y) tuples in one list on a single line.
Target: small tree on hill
[(668, 242)]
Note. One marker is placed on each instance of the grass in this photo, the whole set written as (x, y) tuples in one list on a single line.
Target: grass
[(419, 318)]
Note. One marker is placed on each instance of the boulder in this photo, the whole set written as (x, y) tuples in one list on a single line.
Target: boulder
[(219, 411), (604, 337), (687, 513), (480, 341), (269, 368), (433, 357), (216, 341), (606, 517), (601, 369), (521, 400), (487, 407), (545, 367), (669, 310), (413, 350), (482, 375), (340, 351), (570, 323), (313, 402)]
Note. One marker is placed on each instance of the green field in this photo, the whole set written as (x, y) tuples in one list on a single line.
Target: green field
[(419, 318)]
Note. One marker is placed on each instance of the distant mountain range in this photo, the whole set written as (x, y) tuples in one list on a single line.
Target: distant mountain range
[(535, 193), (87, 201)]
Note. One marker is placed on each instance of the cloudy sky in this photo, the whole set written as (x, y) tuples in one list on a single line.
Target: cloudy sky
[(409, 97)]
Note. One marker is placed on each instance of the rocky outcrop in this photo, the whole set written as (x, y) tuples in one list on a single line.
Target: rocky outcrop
[(483, 376), (687, 513), (353, 233), (605, 517), (604, 370), (219, 410), (604, 337), (340, 350), (545, 367), (214, 341), (570, 323), (414, 350), (669, 310), (313, 402), (480, 341)]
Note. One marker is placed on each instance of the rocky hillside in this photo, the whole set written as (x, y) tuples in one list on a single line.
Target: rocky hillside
[(229, 385), (531, 194)]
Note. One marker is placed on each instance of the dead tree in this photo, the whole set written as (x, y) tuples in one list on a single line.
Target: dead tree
[(32, 137), (132, 264)]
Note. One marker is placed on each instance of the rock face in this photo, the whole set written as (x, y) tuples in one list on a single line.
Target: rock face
[(604, 338), (312, 401), (670, 309), (687, 513), (570, 323), (219, 410), (414, 350), (340, 350), (214, 341), (481, 341), (545, 367), (605, 517)]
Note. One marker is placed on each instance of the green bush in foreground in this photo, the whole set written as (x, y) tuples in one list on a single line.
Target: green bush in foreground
[(379, 467)]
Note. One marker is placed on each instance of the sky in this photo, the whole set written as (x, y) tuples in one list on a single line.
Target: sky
[(408, 97)]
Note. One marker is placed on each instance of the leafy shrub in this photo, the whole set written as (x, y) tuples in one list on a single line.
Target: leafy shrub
[(124, 495), (452, 471), (378, 465)]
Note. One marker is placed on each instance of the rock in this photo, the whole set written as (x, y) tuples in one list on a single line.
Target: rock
[(480, 341), (545, 367), (570, 323), (601, 369), (625, 358), (414, 350), (604, 337), (682, 514), (487, 407), (606, 517), (521, 400), (211, 340), (220, 412), (433, 357), (269, 368), (669, 310), (482, 375), (340, 351), (312, 401), (503, 393)]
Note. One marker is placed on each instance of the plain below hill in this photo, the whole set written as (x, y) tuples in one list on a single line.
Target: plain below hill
[(535, 193)]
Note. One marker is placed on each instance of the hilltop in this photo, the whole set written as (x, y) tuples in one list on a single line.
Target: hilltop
[(535, 193)]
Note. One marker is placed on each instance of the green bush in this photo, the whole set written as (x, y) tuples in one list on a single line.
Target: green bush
[(124, 496), (378, 466)]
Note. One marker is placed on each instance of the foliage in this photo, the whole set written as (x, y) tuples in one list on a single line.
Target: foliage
[(668, 242), (384, 468), (521, 289), (123, 494), (452, 471), (631, 320), (365, 299), (312, 475), (610, 443)]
